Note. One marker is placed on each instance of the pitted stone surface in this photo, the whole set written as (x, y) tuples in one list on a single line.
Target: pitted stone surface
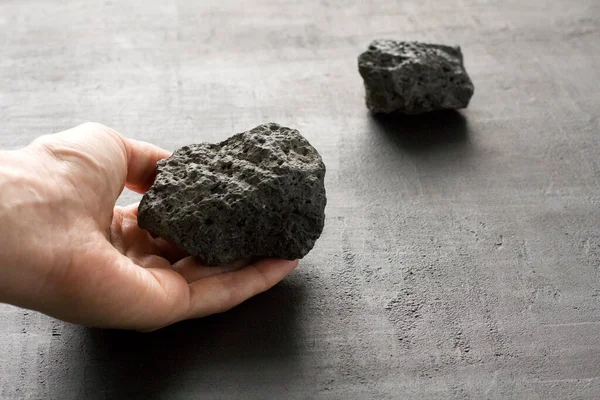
[(259, 193), (414, 77)]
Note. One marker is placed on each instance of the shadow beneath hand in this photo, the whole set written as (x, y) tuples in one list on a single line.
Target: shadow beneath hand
[(255, 340), (417, 134)]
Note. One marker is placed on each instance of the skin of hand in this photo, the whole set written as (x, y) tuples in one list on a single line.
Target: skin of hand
[(67, 251)]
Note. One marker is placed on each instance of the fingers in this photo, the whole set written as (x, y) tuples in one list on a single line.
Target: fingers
[(192, 270), (163, 247), (169, 250), (131, 209), (126, 235), (141, 164), (219, 293), (116, 293)]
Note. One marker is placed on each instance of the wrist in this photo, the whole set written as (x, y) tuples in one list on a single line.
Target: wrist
[(21, 200)]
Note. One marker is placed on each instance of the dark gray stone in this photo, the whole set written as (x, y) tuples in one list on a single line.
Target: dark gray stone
[(259, 193), (414, 77)]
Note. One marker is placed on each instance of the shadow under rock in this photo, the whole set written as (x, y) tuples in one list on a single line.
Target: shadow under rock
[(250, 342), (423, 133)]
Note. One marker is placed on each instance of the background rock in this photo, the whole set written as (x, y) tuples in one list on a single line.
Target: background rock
[(414, 77)]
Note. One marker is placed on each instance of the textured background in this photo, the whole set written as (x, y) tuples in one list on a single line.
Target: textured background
[(461, 253)]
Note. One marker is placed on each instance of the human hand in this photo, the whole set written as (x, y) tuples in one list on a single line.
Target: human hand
[(67, 251)]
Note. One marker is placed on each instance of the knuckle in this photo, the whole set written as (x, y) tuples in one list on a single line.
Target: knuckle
[(96, 127), (42, 141)]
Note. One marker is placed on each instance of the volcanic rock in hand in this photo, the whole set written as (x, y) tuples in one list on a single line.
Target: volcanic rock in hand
[(259, 193), (414, 77)]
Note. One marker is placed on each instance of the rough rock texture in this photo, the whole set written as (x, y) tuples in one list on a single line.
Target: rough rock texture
[(258, 193), (414, 77)]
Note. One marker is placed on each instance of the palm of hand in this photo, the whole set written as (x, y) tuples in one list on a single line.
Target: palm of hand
[(106, 271)]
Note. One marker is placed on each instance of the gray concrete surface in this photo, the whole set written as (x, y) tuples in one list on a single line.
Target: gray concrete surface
[(461, 253)]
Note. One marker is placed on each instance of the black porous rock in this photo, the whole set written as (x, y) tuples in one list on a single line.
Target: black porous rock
[(259, 193), (414, 77)]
